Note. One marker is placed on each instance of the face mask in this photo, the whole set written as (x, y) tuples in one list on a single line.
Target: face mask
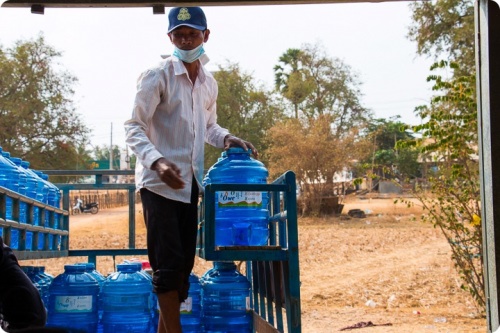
[(189, 55)]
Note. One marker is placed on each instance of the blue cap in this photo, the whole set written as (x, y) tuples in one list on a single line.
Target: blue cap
[(187, 16)]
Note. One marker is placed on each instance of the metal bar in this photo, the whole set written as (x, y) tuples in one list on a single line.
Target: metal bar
[(88, 172), (131, 218), (278, 293), (107, 252), (488, 95), (269, 291), (139, 3)]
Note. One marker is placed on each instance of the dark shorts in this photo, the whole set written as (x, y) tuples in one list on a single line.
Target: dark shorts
[(172, 228)]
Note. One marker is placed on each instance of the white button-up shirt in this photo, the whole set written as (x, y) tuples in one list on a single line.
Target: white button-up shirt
[(173, 119)]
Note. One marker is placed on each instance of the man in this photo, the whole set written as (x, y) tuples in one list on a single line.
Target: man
[(174, 115), (21, 306), (78, 205)]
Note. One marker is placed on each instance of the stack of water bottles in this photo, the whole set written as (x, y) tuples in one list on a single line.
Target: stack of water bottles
[(16, 176)]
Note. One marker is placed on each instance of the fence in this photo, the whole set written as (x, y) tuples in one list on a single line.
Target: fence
[(105, 198)]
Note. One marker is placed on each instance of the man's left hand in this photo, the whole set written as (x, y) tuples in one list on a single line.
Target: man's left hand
[(233, 141)]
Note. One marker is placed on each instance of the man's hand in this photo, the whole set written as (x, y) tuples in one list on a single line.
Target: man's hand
[(169, 173), (233, 141)]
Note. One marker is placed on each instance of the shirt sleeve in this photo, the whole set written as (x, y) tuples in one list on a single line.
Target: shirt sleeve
[(148, 96), (214, 133)]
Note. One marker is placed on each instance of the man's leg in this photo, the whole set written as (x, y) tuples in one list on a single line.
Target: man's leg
[(170, 321)]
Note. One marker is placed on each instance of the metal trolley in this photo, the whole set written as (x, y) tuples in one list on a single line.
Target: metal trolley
[(272, 270)]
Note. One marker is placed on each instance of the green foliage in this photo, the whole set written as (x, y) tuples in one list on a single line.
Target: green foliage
[(449, 141), (39, 122), (293, 79), (316, 84), (445, 28), (245, 109), (388, 160)]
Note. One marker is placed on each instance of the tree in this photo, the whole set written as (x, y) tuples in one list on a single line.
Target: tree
[(319, 84), (445, 29), (292, 80), (313, 151), (387, 160), (449, 138), (39, 122), (247, 110), (102, 153)]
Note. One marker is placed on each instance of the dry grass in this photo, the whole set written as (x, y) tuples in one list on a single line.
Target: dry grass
[(389, 258)]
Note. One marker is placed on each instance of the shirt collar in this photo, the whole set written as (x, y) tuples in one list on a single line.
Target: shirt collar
[(179, 66)]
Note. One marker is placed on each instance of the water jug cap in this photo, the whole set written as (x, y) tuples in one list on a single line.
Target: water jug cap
[(16, 160), (238, 150)]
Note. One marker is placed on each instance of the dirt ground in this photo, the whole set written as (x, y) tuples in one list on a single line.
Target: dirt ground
[(387, 268)]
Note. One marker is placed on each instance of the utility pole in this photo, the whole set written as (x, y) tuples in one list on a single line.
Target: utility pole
[(111, 149)]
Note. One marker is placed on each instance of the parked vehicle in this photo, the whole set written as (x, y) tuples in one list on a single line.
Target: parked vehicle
[(92, 208)]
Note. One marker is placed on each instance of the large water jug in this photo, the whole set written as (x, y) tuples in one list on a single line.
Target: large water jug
[(144, 268), (90, 268), (9, 180), (225, 300), (241, 217), (126, 301), (49, 197), (36, 275), (39, 282), (191, 307), (23, 186), (41, 191), (73, 299)]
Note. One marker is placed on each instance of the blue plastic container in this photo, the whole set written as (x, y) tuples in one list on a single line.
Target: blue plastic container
[(40, 191), (28, 244), (191, 307), (145, 269), (9, 180), (14, 238), (225, 300), (90, 268), (73, 299), (241, 217), (126, 301), (51, 197), (22, 189), (40, 281)]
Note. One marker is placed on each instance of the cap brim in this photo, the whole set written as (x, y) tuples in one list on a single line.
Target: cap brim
[(197, 27)]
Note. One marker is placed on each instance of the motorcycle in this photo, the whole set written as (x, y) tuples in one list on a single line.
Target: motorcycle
[(91, 208)]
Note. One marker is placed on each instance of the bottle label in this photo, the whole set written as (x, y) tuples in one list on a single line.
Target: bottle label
[(240, 199), (73, 304), (187, 306)]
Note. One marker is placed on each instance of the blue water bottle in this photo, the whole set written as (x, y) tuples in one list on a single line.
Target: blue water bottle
[(241, 217), (41, 191), (23, 188), (90, 268), (39, 282), (191, 307), (73, 300), (11, 181), (225, 300), (126, 301)]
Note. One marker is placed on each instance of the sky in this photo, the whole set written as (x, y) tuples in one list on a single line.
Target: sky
[(107, 49)]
